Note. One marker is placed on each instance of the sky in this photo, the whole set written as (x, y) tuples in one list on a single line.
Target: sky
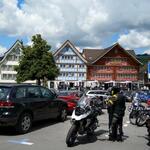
[(86, 23)]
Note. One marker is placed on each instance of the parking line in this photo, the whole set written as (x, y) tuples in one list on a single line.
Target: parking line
[(106, 135), (125, 125), (128, 122), (22, 141)]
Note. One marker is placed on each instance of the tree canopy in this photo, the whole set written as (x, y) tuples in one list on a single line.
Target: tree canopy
[(37, 62)]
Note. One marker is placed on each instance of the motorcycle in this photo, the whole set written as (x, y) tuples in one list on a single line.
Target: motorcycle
[(84, 119), (142, 117), (134, 110), (148, 124)]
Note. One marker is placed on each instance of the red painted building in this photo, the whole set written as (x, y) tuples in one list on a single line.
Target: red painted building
[(112, 64)]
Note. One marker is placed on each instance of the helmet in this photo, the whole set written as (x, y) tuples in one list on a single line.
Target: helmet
[(115, 90)]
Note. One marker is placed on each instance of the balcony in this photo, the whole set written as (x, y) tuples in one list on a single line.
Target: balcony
[(103, 71), (127, 71), (127, 79), (116, 63), (101, 78)]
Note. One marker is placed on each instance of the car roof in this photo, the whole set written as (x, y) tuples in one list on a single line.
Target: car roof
[(14, 85), (97, 91)]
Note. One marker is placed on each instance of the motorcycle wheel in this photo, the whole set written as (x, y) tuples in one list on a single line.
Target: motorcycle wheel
[(71, 136), (148, 131), (132, 117), (148, 126), (90, 133), (141, 119)]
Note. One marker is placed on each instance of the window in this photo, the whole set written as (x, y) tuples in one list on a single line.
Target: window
[(17, 51), (46, 93), (4, 92), (33, 92), (4, 76), (14, 77), (69, 65), (20, 92)]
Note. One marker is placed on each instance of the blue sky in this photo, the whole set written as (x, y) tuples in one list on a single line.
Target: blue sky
[(98, 24)]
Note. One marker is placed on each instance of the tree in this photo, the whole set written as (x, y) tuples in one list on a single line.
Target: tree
[(37, 62)]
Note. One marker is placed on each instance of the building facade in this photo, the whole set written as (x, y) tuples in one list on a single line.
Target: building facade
[(112, 65), (92, 67), (8, 61), (72, 66)]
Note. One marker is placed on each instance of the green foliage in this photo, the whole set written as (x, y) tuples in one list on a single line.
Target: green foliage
[(37, 62), (144, 58)]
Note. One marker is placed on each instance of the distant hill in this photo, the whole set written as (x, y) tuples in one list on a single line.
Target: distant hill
[(143, 58)]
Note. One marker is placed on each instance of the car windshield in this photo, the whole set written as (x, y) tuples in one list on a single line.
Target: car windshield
[(63, 94), (4, 92), (101, 92), (84, 101), (97, 92)]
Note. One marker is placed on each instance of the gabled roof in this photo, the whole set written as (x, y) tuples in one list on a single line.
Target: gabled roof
[(93, 55), (132, 52), (9, 50), (68, 43)]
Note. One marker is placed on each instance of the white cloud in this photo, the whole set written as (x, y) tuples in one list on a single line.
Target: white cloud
[(135, 39), (84, 22), (2, 50), (147, 52), (96, 16)]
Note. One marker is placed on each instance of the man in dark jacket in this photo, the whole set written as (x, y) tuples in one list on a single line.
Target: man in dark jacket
[(117, 113)]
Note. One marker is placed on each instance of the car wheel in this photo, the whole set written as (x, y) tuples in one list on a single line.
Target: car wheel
[(24, 123), (63, 114)]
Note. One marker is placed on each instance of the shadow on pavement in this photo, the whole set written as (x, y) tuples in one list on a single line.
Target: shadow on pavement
[(93, 138), (85, 139), (10, 131), (147, 138)]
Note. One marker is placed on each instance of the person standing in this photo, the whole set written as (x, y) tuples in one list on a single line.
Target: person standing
[(118, 110), (110, 102)]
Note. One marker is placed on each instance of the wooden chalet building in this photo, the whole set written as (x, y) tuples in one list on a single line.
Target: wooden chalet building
[(112, 65)]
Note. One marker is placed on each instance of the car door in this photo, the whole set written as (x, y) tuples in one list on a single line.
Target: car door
[(52, 103), (37, 103)]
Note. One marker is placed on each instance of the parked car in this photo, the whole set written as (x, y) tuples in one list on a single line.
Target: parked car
[(99, 93), (102, 94), (71, 98), (22, 104)]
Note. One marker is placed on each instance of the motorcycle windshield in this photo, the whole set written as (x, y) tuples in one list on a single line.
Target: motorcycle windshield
[(84, 101)]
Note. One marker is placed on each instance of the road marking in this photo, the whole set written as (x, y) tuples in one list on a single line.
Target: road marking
[(128, 122), (125, 125), (22, 141), (106, 135)]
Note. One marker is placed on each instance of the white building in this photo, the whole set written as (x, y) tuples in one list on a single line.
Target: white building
[(72, 66), (8, 61)]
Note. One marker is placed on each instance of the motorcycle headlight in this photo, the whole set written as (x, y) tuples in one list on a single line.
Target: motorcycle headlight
[(79, 111)]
